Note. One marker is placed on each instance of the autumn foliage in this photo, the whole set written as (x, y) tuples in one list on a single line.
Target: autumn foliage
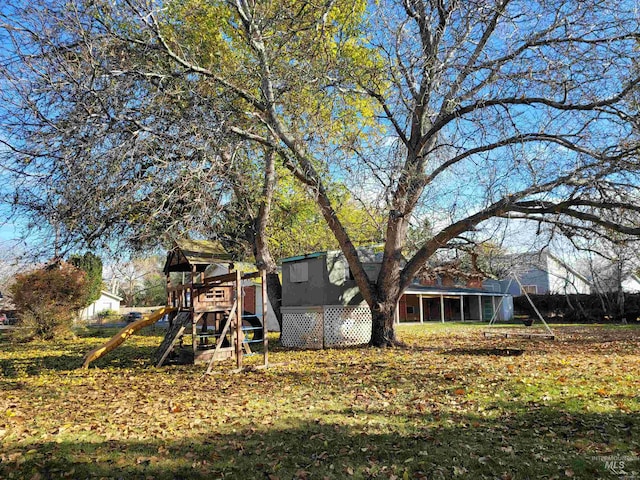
[(450, 404), (48, 299)]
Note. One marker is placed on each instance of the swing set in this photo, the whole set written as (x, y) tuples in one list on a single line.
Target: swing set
[(519, 333)]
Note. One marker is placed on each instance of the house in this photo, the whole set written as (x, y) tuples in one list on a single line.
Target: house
[(323, 307), (107, 301), (537, 273)]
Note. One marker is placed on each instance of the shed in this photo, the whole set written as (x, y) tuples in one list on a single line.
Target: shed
[(321, 303), (107, 301)]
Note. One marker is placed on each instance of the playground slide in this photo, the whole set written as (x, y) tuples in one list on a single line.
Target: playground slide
[(123, 334)]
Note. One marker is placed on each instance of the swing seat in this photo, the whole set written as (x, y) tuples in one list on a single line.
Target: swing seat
[(529, 336)]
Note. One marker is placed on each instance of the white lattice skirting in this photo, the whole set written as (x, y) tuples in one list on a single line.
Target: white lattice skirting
[(325, 326)]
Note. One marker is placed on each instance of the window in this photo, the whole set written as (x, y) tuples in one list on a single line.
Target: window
[(411, 309), (217, 294), (299, 272), (531, 289)]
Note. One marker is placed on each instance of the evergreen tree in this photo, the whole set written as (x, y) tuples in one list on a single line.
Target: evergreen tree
[(91, 264)]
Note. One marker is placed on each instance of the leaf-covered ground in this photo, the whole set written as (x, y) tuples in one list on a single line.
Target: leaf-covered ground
[(450, 405)]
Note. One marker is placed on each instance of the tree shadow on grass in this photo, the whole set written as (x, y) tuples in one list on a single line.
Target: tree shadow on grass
[(13, 368), (519, 444)]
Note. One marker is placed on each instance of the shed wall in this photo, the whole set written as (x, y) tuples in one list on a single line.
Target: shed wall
[(306, 293)]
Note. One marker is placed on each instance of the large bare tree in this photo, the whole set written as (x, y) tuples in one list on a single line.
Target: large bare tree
[(455, 112)]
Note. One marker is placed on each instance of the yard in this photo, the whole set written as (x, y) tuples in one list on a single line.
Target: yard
[(450, 404)]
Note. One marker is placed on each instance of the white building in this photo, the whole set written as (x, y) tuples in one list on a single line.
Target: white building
[(107, 301)]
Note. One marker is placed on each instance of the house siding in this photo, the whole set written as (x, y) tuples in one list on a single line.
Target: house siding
[(562, 280), (105, 302), (536, 277)]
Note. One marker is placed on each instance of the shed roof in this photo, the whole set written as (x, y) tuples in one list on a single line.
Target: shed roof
[(187, 254), (111, 295)]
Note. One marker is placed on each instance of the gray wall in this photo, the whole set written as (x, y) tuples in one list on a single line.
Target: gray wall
[(306, 293), (532, 277), (328, 282), (339, 289)]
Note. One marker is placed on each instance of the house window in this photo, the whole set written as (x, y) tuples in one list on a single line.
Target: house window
[(530, 289), (411, 309), (299, 272)]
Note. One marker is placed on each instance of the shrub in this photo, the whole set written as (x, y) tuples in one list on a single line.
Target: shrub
[(108, 315), (579, 308), (48, 299)]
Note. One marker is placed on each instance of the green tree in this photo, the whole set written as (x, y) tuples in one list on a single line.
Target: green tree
[(153, 291), (458, 112), (91, 264)]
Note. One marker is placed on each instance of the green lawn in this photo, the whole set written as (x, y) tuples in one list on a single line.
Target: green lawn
[(450, 405)]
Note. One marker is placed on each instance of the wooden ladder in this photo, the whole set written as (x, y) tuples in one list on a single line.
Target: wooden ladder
[(180, 323)]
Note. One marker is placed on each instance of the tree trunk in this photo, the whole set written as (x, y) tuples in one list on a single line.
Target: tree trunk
[(383, 316), (274, 292), (261, 251)]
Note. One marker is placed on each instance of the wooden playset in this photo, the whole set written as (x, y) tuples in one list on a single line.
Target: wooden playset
[(209, 309)]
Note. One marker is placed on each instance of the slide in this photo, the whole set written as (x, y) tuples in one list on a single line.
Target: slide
[(123, 334)]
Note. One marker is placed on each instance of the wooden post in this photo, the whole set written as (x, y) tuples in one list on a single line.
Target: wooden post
[(462, 308), (480, 312), (238, 343), (192, 300), (420, 307), (265, 329), (397, 312), (442, 308), (168, 287), (194, 335)]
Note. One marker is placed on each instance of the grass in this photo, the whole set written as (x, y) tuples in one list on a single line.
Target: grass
[(450, 405)]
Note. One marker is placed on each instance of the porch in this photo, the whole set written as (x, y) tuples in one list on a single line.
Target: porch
[(421, 304)]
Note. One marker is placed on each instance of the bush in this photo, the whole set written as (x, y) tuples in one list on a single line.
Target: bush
[(579, 308), (108, 315), (48, 300)]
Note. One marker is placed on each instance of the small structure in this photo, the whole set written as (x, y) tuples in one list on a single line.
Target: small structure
[(321, 304), (210, 308), (107, 302)]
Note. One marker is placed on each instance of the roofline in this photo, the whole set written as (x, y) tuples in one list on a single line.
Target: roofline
[(112, 295), (469, 293), (304, 257), (570, 269)]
